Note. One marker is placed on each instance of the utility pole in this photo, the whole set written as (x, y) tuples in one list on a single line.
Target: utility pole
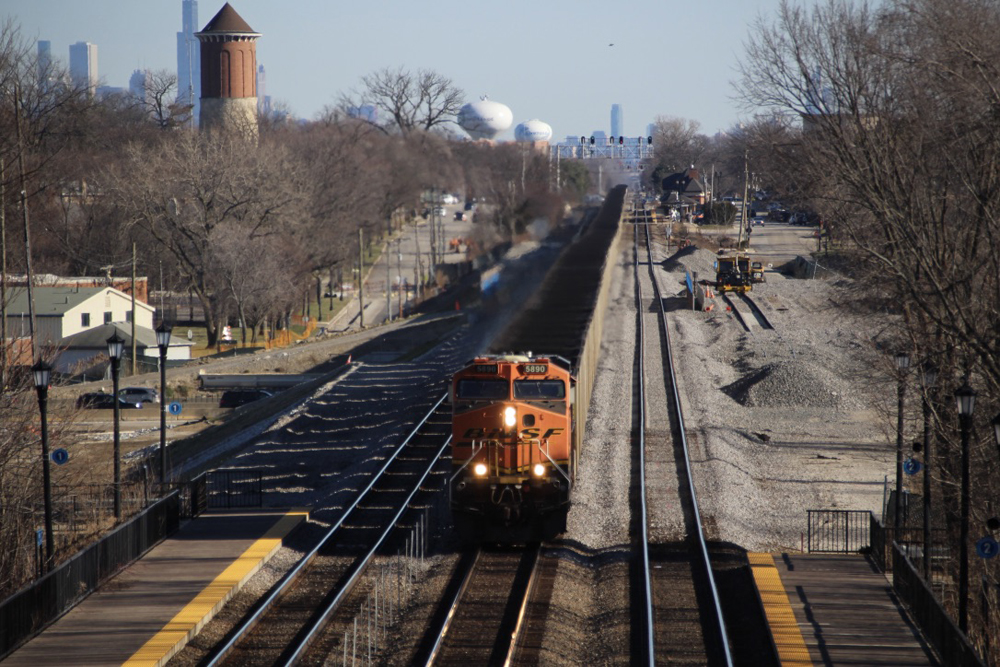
[(746, 188), (388, 270), (361, 275), (3, 281), (24, 216), (399, 273), (133, 309)]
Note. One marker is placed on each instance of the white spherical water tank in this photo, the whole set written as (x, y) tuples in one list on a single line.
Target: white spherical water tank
[(485, 119), (533, 130)]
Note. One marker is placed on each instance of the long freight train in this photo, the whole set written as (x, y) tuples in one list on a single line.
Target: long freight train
[(518, 418)]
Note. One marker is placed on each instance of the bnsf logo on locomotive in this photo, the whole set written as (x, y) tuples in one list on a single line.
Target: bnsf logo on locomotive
[(497, 433)]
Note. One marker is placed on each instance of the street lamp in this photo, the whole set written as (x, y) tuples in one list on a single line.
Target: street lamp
[(902, 363), (115, 346), (965, 397), (42, 373), (163, 342), (996, 431), (929, 378)]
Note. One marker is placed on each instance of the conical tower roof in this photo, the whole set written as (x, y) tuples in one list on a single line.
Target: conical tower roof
[(227, 20)]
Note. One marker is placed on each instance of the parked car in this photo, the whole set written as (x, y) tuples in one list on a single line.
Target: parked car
[(460, 215), (102, 401), (234, 398), (440, 210), (139, 395)]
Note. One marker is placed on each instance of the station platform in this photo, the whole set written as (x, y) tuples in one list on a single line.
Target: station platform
[(835, 609), (149, 611)]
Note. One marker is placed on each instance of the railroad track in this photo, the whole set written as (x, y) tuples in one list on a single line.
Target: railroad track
[(488, 611), (291, 620), (750, 317), (683, 619)]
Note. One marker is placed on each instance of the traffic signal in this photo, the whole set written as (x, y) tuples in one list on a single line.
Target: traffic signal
[(583, 140), (592, 141), (621, 140), (649, 140)]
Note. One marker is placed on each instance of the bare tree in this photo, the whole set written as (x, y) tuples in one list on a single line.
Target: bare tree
[(403, 101), (196, 192)]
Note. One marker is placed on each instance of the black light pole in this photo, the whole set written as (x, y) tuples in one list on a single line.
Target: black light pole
[(965, 396), (43, 373), (115, 346), (902, 363), (996, 431), (163, 342), (930, 377)]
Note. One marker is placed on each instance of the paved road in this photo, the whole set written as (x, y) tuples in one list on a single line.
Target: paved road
[(409, 259)]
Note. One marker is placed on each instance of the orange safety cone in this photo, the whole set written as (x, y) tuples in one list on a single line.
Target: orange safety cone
[(457, 306), (348, 362)]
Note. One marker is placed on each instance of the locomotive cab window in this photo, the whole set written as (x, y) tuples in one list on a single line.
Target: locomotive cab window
[(539, 389), (477, 390)]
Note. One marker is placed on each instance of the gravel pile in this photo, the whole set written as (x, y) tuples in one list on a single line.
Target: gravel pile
[(791, 383)]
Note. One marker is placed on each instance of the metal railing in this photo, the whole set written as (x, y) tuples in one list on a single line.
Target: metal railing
[(31, 609), (953, 646), (231, 488), (838, 531)]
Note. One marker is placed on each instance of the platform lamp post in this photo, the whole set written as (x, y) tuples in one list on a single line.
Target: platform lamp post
[(42, 373), (116, 344), (965, 397), (996, 431), (929, 378), (163, 342), (902, 364)]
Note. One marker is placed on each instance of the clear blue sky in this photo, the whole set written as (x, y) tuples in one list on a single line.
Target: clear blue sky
[(546, 59)]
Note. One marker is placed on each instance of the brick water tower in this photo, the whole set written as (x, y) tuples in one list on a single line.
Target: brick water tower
[(228, 74)]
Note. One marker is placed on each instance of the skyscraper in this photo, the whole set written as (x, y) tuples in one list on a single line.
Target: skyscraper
[(44, 63), (263, 99), (138, 84), (83, 65), (617, 121), (189, 59)]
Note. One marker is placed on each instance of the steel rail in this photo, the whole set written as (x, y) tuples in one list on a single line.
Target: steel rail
[(736, 313), (470, 566), (646, 570), (290, 576), (703, 547), (758, 312), (523, 610)]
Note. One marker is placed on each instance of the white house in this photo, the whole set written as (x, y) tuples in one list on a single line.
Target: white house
[(62, 311)]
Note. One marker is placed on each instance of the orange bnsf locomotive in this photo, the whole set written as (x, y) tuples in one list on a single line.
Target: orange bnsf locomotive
[(512, 447)]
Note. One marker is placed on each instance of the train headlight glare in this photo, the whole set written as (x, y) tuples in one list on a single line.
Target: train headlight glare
[(539, 470), (479, 469), (510, 416)]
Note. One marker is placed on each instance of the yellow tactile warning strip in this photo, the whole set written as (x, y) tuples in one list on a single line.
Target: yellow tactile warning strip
[(784, 629), (191, 618)]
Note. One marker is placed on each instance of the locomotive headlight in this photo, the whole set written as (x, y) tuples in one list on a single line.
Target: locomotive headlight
[(479, 469), (539, 470), (510, 417)]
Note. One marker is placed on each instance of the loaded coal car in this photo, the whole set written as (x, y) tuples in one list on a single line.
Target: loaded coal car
[(518, 418)]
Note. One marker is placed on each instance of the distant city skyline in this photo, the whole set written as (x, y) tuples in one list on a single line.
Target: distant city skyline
[(559, 66)]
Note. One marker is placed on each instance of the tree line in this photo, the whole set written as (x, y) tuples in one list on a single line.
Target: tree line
[(885, 116)]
